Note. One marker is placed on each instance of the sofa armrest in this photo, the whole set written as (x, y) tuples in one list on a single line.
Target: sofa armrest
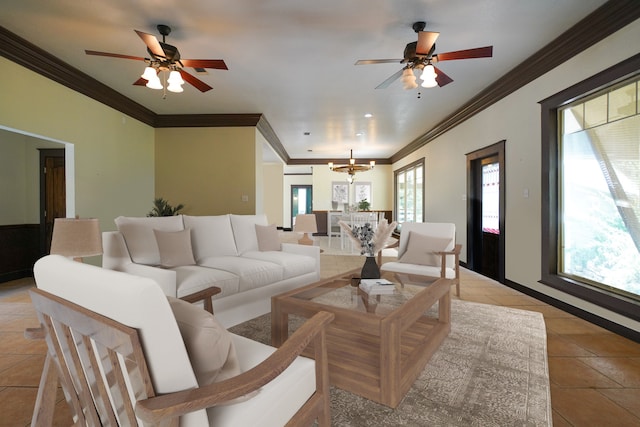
[(116, 257), (308, 250), (165, 278), (115, 253)]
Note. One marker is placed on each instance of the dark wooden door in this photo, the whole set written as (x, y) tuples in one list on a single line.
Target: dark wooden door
[(53, 199), (485, 211)]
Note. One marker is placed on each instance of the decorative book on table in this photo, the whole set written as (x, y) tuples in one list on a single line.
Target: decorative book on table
[(377, 286)]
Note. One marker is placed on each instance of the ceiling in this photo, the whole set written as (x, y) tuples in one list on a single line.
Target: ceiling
[(293, 61)]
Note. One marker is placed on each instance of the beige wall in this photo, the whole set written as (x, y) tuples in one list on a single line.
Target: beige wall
[(114, 154), (515, 119), (274, 192), (209, 170), (19, 177)]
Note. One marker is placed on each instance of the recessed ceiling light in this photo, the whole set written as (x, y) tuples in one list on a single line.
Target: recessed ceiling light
[(359, 134), (368, 115)]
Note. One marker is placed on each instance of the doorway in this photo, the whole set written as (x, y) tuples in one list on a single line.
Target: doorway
[(53, 199), (301, 201), (486, 211)]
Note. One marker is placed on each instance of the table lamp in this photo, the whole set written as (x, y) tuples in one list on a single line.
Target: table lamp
[(76, 238), (305, 223)]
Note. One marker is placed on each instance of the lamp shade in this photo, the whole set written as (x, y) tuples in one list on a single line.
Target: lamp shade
[(306, 223), (76, 237)]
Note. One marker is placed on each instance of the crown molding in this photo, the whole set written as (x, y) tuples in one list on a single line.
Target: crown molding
[(206, 120), (264, 127), (604, 21), (30, 56)]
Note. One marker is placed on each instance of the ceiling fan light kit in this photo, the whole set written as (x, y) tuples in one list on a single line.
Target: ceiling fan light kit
[(420, 55), (352, 168), (429, 76), (166, 58), (409, 79)]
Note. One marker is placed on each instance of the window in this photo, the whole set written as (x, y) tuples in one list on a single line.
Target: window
[(409, 191), (591, 185)]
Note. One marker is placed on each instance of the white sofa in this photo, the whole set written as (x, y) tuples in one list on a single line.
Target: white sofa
[(227, 254)]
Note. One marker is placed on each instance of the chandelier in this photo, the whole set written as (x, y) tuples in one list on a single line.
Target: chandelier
[(352, 168)]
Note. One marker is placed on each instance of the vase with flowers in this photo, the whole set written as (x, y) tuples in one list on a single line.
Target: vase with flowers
[(370, 242)]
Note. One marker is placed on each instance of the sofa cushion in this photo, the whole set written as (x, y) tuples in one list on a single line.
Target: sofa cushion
[(174, 247), (420, 270), (194, 278), (422, 249), (244, 231), (277, 401), (140, 239), (268, 239), (253, 273), (209, 345), (211, 236), (293, 265)]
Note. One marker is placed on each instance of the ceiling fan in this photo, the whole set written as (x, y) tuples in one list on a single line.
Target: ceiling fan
[(165, 57), (420, 55)]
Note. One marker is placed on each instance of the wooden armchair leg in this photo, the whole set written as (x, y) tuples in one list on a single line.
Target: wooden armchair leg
[(205, 296), (46, 398)]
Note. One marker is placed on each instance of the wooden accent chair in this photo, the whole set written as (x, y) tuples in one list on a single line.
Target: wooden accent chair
[(116, 348), (427, 249)]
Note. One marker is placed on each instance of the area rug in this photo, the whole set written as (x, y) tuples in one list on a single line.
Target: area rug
[(490, 371)]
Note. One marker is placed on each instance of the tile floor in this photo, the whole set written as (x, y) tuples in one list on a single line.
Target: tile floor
[(594, 374)]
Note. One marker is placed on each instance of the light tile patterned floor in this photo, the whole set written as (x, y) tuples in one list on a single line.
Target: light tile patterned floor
[(595, 374)]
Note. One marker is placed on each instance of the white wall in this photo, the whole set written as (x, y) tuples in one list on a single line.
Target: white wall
[(516, 119)]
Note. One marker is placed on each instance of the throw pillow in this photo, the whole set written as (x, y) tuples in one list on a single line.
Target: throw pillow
[(268, 239), (208, 343), (422, 250), (175, 248)]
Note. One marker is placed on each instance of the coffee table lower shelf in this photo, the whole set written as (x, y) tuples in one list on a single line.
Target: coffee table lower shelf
[(375, 356)]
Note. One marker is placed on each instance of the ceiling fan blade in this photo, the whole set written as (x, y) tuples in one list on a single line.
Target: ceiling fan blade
[(140, 82), (441, 78), (152, 43), (426, 40), (378, 61), (385, 84), (217, 64), (113, 55), (194, 81), (479, 52)]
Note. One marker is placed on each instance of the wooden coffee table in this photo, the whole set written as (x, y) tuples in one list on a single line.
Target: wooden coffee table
[(377, 345)]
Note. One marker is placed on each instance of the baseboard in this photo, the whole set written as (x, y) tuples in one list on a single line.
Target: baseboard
[(15, 275), (578, 312)]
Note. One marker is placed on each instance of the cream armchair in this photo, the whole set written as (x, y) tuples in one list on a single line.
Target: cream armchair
[(428, 249), (122, 353)]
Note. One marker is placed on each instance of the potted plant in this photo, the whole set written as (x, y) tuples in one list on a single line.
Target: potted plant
[(364, 205), (161, 207)]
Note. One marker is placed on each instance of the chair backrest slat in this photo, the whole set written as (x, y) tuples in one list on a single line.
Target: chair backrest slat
[(56, 349), (97, 385), (90, 349), (69, 341)]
